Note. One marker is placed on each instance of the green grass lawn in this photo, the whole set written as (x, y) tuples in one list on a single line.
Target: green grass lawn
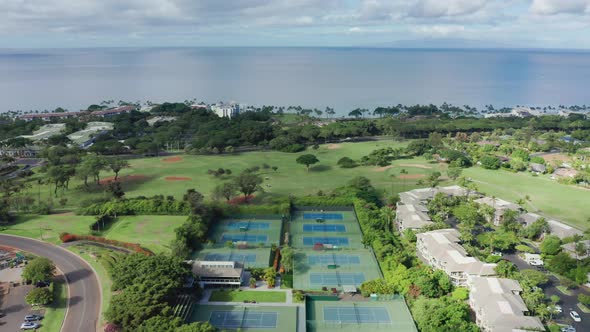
[(56, 312), (152, 232), (241, 296), (49, 227), (548, 197), (290, 178)]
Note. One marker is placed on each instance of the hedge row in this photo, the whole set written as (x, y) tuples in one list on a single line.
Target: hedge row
[(322, 201), (67, 237), (138, 206)]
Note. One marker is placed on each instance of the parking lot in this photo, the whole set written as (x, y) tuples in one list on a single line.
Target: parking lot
[(568, 302)]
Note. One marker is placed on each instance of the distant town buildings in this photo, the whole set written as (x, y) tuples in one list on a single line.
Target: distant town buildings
[(70, 115), (224, 110)]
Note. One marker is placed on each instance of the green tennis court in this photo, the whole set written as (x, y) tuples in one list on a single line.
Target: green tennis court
[(313, 270), (255, 232), (329, 314), (247, 318), (329, 251), (250, 258)]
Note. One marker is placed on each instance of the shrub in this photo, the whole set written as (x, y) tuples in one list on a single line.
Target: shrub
[(66, 237), (346, 162), (524, 248), (584, 299)]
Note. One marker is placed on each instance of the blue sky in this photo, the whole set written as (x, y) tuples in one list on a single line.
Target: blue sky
[(90, 23)]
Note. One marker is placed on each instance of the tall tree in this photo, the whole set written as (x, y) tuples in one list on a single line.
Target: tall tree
[(248, 183), (116, 165), (287, 258), (307, 160)]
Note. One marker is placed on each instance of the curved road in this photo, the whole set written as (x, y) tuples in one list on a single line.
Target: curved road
[(84, 290)]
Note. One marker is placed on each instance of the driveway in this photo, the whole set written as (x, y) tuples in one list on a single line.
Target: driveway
[(568, 302), (84, 289)]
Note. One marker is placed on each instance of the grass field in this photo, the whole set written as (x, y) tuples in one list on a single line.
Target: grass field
[(149, 174), (241, 296), (152, 232), (550, 198), (55, 313)]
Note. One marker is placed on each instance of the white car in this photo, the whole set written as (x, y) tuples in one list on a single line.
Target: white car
[(536, 263), (568, 329), (556, 309), (575, 316), (29, 326)]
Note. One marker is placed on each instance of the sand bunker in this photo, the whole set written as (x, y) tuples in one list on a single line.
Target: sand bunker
[(333, 146), (382, 169), (415, 166), (411, 176)]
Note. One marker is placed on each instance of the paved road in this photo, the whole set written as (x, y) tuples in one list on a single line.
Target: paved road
[(84, 289), (568, 303)]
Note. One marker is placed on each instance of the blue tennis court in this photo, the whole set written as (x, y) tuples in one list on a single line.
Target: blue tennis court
[(336, 278), (244, 319), (247, 258), (333, 259), (244, 237), (355, 314), (336, 241), (324, 216), (324, 228), (247, 225)]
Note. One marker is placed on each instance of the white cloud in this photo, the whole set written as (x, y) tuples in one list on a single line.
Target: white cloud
[(434, 31), (552, 7), (438, 8)]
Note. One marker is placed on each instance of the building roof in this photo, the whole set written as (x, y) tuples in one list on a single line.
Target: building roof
[(443, 244), (121, 109), (212, 269), (528, 218), (49, 115), (565, 172), (562, 230), (536, 167), (413, 216), (497, 302), (571, 248), (498, 204)]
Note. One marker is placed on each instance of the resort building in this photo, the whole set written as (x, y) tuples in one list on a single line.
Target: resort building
[(49, 116), (500, 206), (441, 249), (580, 252), (218, 273), (556, 228), (226, 110), (114, 111), (498, 306), (412, 212)]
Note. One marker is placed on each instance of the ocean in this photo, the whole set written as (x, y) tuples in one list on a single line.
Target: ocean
[(343, 78)]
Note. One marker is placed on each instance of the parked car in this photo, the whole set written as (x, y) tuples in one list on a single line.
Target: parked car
[(575, 316), (568, 329), (32, 318), (555, 309), (497, 253), (29, 326), (536, 263)]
